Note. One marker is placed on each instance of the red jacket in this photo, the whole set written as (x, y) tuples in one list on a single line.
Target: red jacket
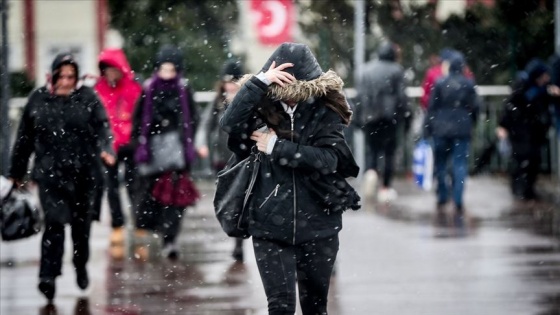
[(119, 100)]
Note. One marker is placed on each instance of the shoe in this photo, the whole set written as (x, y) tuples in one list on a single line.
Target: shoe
[(170, 251), (441, 216), (386, 195), (117, 236), (47, 287), (237, 253), (82, 278), (117, 252), (141, 241), (369, 185)]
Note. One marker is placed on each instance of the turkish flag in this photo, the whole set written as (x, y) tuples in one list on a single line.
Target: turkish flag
[(273, 20)]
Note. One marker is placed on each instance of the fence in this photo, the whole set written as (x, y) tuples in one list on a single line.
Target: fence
[(492, 105)]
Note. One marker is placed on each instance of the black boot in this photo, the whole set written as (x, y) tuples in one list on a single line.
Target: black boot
[(238, 250), (47, 287), (82, 278)]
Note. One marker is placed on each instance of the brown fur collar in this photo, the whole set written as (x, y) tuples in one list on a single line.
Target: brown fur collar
[(328, 85)]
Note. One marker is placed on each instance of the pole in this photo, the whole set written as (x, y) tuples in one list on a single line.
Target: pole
[(359, 54), (5, 86), (557, 25)]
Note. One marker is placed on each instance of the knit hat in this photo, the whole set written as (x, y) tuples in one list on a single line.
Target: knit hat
[(64, 58), (172, 54), (232, 70), (387, 51), (305, 66)]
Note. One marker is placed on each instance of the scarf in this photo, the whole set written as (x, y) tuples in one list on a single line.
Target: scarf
[(142, 154)]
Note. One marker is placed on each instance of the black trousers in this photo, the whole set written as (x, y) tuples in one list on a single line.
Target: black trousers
[(125, 157), (381, 142), (526, 159), (78, 205), (309, 265)]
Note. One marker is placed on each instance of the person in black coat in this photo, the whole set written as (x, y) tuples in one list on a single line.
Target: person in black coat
[(295, 210), (525, 122), (66, 126)]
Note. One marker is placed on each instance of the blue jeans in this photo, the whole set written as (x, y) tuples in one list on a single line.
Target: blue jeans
[(454, 151)]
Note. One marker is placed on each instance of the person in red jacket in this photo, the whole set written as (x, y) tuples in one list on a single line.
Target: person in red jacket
[(437, 71), (119, 93)]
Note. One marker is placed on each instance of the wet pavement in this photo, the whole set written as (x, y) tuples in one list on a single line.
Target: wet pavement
[(392, 260)]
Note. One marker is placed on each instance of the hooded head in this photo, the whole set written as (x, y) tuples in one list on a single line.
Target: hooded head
[(115, 58), (305, 67), (387, 51), (232, 70), (534, 69), (64, 58), (446, 53), (456, 62), (172, 54)]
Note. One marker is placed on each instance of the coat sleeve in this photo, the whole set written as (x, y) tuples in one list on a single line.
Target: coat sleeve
[(205, 127), (193, 108), (101, 127), (433, 106), (25, 142), (239, 114)]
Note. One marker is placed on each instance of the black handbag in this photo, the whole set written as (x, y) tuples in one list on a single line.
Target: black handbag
[(20, 217), (233, 189)]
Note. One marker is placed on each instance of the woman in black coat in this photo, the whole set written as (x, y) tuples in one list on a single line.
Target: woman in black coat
[(66, 126), (301, 190)]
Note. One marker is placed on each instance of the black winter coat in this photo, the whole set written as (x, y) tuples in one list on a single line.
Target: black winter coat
[(301, 189), (453, 109), (67, 135)]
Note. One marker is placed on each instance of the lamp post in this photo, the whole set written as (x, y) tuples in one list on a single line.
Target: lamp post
[(359, 56), (5, 98)]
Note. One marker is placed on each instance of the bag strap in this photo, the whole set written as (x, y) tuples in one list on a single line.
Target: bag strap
[(256, 166)]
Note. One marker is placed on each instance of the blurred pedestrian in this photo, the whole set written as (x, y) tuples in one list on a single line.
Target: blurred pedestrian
[(119, 93), (211, 140), (383, 110), (301, 190), (525, 122), (436, 71), (450, 119), (166, 111), (66, 126)]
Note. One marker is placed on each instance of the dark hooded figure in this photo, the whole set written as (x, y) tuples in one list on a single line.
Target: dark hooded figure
[(66, 126), (166, 106), (450, 119), (301, 189), (211, 140), (382, 108), (525, 122)]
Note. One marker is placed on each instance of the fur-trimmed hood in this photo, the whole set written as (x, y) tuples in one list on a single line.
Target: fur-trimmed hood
[(328, 85)]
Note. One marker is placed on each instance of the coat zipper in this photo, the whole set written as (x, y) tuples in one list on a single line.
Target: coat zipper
[(273, 192), (294, 184)]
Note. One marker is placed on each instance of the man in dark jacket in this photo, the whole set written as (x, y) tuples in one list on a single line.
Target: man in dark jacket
[(451, 116), (66, 127), (382, 107)]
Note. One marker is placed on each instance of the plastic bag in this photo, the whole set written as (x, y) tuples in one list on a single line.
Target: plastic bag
[(423, 164)]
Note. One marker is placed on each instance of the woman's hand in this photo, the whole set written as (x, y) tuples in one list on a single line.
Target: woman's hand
[(278, 75), (262, 139), (501, 133), (108, 158), (203, 151)]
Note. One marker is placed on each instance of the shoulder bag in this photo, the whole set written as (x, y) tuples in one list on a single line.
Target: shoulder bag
[(233, 189)]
